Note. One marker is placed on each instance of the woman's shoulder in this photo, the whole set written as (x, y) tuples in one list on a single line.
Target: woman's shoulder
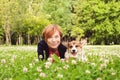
[(42, 43), (62, 46)]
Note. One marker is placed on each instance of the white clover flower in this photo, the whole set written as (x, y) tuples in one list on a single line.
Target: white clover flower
[(25, 69), (37, 79), (42, 74), (87, 71), (36, 60), (99, 79), (106, 61), (93, 64), (5, 78), (60, 76), (103, 66), (67, 60), (40, 56), (47, 64), (58, 68), (84, 59), (12, 60), (66, 66), (50, 59), (118, 56), (31, 65), (113, 73), (90, 54), (62, 60), (74, 62), (10, 78), (3, 61), (59, 57), (14, 57), (39, 69)]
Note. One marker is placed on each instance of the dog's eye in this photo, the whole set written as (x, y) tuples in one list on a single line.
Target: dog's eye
[(71, 46), (76, 46)]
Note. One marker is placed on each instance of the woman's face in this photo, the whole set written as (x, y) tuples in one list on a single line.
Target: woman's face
[(54, 41)]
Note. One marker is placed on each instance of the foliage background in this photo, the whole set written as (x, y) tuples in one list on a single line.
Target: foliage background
[(22, 21)]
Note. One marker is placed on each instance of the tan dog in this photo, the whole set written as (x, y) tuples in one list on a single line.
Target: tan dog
[(75, 50)]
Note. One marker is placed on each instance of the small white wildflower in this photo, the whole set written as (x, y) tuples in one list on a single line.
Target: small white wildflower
[(90, 54), (37, 79), (47, 64), (101, 59), (93, 64), (12, 60), (58, 57), (99, 79), (50, 59), (67, 60), (10, 78), (113, 73), (42, 75), (74, 62), (25, 69), (60, 76), (87, 71), (14, 57), (66, 66), (39, 69), (3, 61), (5, 78), (40, 56), (31, 65), (36, 60), (103, 66), (58, 68), (106, 61), (62, 60), (84, 59)]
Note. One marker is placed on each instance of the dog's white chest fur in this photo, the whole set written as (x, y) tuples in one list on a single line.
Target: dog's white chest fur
[(79, 55)]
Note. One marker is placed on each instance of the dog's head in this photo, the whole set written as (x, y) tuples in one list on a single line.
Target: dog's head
[(75, 47)]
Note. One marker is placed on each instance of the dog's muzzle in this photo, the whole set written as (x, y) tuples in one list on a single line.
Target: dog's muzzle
[(74, 52)]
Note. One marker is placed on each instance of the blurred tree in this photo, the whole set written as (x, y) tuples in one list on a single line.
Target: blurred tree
[(97, 19)]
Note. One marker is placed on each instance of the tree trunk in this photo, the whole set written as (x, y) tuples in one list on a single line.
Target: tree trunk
[(36, 39), (19, 40), (6, 27), (28, 39)]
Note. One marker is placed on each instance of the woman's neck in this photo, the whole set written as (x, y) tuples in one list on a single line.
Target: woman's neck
[(53, 50)]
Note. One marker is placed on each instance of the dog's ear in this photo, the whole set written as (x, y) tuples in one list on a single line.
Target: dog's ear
[(83, 41), (66, 44)]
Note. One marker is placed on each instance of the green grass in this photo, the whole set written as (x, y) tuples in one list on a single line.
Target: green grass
[(21, 63)]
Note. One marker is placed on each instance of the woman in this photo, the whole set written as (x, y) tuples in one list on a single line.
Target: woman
[(51, 43)]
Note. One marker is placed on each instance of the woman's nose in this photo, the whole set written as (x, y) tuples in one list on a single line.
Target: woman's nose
[(53, 39)]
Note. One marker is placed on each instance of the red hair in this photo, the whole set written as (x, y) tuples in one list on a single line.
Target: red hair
[(50, 30)]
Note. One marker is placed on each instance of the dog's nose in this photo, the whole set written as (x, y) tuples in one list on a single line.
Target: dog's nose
[(73, 50)]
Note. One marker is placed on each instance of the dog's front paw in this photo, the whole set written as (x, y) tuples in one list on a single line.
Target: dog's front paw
[(67, 55)]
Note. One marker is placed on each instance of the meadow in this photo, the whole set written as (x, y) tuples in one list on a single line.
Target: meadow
[(21, 63)]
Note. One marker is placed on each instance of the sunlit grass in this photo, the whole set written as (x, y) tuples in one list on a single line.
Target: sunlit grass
[(21, 63)]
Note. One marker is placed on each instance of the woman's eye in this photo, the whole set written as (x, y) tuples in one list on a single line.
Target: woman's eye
[(56, 36)]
